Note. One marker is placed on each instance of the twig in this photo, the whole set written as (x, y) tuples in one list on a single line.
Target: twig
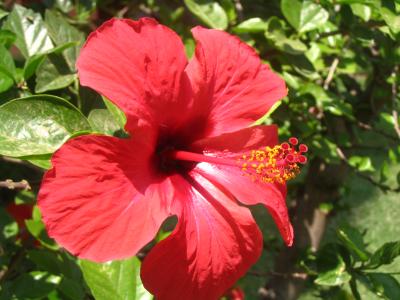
[(239, 9), (321, 185), (328, 34), (11, 185), (394, 96), (14, 262), (383, 187), (20, 162), (331, 72), (381, 132), (296, 275)]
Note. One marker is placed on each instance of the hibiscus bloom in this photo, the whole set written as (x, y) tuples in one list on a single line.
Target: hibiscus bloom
[(191, 153)]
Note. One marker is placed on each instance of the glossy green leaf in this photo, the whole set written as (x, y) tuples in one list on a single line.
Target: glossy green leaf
[(37, 125), (390, 15), (353, 241), (335, 277), (64, 5), (331, 267), (41, 161), (62, 32), (252, 25), (383, 285), (32, 35), (7, 66), (34, 285), (363, 164), (7, 70), (117, 280), (275, 32), (304, 15), (33, 62), (3, 13), (53, 74), (6, 82), (362, 11), (38, 230), (118, 114), (103, 121), (71, 289), (210, 12), (385, 255), (230, 10), (7, 37)]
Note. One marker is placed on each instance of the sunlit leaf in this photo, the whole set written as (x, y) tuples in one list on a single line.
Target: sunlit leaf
[(37, 125), (117, 280), (32, 35), (304, 15), (210, 12)]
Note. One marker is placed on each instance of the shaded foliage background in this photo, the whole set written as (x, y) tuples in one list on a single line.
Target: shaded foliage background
[(340, 59)]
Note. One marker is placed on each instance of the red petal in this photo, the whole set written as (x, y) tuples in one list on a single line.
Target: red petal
[(214, 244), (20, 213), (101, 200), (243, 188), (239, 141), (230, 83), (139, 65)]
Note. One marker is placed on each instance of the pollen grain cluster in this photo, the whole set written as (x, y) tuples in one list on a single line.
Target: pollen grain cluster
[(274, 164)]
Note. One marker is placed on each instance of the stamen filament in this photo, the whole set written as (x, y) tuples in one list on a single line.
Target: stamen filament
[(279, 163), (196, 157)]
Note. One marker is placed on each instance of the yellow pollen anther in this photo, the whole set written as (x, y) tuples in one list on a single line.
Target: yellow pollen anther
[(277, 164)]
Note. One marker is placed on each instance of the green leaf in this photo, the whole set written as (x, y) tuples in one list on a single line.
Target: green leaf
[(362, 11), (34, 285), (331, 267), (383, 285), (362, 163), (46, 260), (334, 277), (103, 121), (32, 36), (41, 161), (8, 227), (71, 289), (385, 255), (229, 8), (7, 38), (38, 125), (62, 32), (3, 13), (353, 240), (390, 15), (6, 82), (53, 74), (210, 12), (252, 25), (117, 280), (7, 65), (33, 62), (304, 16), (118, 114), (276, 33), (7, 69), (64, 5), (38, 230)]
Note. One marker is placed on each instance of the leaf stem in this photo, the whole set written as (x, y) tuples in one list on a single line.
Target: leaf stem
[(78, 96)]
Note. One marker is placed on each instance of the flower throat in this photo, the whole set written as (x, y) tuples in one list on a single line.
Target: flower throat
[(270, 164)]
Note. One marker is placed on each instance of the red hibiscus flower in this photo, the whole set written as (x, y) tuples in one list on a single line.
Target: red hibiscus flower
[(20, 213), (235, 293), (191, 153)]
